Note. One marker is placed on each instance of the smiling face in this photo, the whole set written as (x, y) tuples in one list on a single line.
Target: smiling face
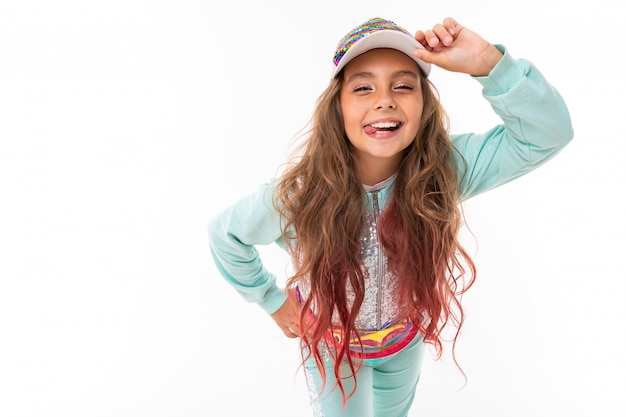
[(381, 101)]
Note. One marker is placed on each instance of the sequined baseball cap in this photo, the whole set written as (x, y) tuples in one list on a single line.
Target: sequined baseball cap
[(372, 34)]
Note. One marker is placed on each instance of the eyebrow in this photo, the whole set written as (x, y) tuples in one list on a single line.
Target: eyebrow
[(366, 74)]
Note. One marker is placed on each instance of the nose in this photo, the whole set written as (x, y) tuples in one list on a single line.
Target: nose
[(384, 100)]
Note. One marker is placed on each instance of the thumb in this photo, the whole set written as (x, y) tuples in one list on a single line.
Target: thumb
[(425, 55), (430, 57)]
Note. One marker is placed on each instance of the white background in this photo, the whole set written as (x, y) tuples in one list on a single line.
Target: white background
[(126, 125)]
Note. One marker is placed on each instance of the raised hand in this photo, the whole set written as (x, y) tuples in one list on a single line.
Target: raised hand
[(453, 47)]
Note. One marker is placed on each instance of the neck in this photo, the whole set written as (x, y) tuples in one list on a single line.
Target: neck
[(375, 171)]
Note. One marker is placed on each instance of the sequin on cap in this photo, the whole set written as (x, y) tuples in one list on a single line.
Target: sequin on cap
[(376, 33), (363, 30)]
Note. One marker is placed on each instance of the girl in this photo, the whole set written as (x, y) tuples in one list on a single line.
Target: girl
[(370, 209)]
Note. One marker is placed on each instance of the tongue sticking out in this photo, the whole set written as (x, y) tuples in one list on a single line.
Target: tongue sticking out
[(370, 130)]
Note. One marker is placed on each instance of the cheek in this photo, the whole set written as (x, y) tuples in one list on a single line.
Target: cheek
[(418, 111), (351, 115)]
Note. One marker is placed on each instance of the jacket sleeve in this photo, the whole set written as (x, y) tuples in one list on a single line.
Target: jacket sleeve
[(536, 126), (233, 234)]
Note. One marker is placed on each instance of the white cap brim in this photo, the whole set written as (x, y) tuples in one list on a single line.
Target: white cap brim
[(383, 39)]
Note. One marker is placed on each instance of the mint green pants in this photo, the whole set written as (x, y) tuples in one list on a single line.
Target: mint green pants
[(385, 387)]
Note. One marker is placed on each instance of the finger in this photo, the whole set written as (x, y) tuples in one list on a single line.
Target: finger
[(442, 34), (421, 38), (431, 38), (451, 25), (294, 327), (289, 333)]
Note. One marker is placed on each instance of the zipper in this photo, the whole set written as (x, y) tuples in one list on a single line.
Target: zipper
[(381, 265)]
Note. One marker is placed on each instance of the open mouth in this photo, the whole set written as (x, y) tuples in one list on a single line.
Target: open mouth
[(382, 127)]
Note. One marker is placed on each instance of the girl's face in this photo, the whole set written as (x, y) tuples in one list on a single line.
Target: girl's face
[(381, 100)]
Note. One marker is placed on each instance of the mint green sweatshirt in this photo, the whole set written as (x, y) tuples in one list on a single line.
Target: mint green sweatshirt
[(535, 127)]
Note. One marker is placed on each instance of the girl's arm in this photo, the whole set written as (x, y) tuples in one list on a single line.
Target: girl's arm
[(536, 122), (233, 235), (536, 127)]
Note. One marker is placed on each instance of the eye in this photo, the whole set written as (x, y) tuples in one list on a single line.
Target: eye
[(361, 88), (404, 86)]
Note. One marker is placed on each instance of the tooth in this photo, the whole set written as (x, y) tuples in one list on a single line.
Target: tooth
[(384, 125)]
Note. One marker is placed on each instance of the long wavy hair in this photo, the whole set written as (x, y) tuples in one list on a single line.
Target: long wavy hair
[(320, 196)]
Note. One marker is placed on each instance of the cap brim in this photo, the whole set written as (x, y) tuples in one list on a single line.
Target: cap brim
[(383, 39)]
